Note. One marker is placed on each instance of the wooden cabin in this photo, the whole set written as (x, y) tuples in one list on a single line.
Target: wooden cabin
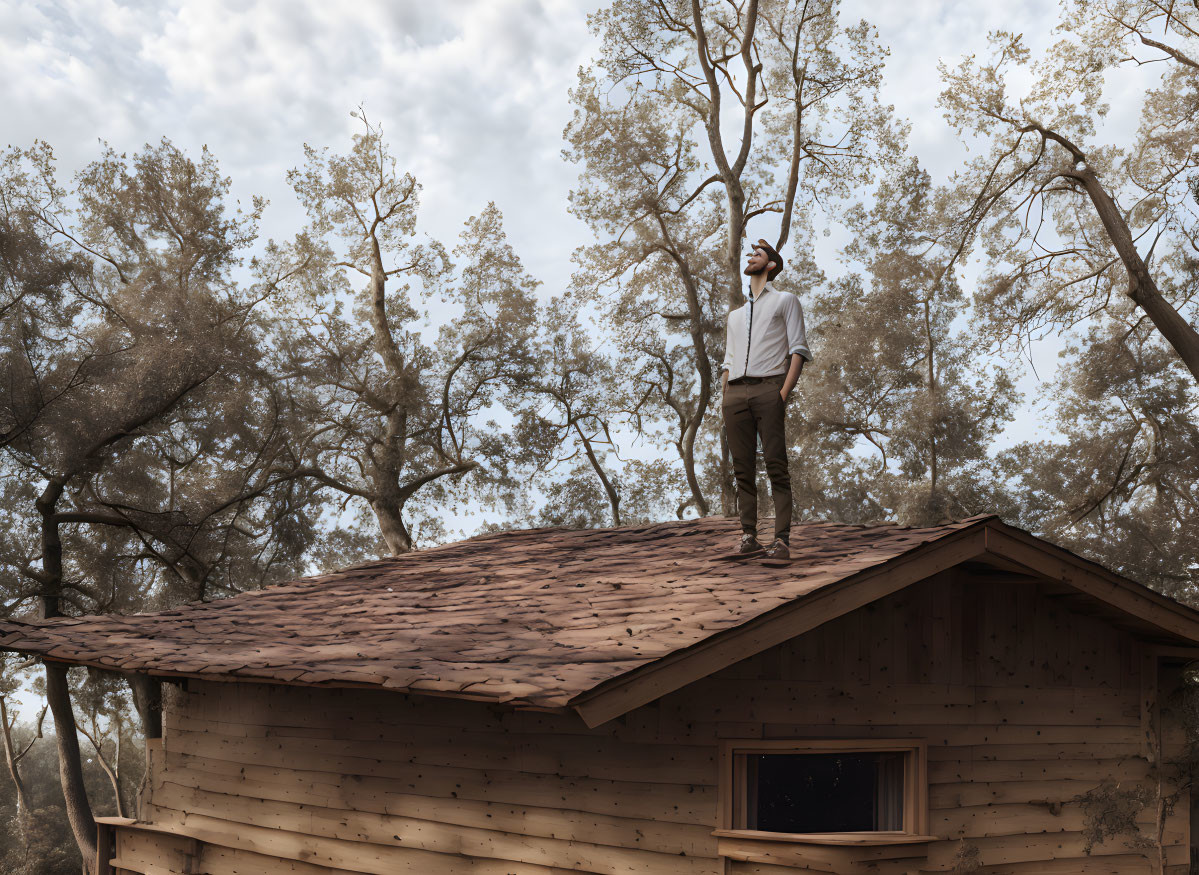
[(898, 700)]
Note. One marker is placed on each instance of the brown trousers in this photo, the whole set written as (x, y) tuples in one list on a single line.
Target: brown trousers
[(752, 411)]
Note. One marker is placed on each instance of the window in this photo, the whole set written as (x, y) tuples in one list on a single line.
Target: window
[(818, 788)]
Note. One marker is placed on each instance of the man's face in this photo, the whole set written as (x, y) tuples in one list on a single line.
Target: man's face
[(757, 261)]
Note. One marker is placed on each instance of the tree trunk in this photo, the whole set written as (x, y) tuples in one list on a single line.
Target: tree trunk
[(1179, 333), (728, 494), (735, 231), (613, 495), (58, 694), (70, 768), (147, 699), (730, 174), (111, 770), (391, 525), (384, 341), (703, 365), (387, 502), (703, 369), (687, 446), (10, 755), (932, 404)]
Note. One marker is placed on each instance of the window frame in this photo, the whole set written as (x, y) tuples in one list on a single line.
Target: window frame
[(915, 786)]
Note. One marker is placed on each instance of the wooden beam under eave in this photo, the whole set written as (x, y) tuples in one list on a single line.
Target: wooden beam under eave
[(643, 685), (1059, 565)]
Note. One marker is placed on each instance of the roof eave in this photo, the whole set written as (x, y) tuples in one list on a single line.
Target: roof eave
[(517, 704), (988, 538), (646, 683), (1053, 563)]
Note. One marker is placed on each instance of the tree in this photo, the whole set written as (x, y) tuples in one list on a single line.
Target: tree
[(1075, 228), (569, 417), (394, 415), (141, 439), (41, 843), (14, 753), (103, 699), (896, 376), (671, 199), (637, 161), (1096, 241), (1122, 483)]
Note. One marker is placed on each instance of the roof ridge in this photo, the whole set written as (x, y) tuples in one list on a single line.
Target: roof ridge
[(513, 534)]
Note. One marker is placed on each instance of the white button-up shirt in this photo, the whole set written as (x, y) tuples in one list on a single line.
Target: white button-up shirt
[(762, 336)]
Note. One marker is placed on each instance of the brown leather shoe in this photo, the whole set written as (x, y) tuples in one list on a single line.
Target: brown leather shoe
[(778, 550), (750, 546)]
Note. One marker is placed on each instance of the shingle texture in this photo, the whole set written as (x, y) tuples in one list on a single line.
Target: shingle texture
[(530, 617)]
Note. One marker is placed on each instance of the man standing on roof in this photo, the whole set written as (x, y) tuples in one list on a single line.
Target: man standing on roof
[(765, 350)]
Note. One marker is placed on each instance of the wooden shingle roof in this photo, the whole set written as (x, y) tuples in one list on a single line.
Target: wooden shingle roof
[(535, 618)]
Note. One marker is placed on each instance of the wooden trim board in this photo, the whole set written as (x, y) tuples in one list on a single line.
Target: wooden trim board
[(1055, 563), (732, 787)]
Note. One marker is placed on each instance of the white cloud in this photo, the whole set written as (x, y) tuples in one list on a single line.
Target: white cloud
[(471, 94)]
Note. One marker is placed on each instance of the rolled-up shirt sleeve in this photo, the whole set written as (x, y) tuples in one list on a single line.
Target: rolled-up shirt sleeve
[(797, 338)]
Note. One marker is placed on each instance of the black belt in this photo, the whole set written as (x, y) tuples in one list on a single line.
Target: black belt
[(754, 380)]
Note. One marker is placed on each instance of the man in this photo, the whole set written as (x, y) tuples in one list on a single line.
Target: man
[(765, 350)]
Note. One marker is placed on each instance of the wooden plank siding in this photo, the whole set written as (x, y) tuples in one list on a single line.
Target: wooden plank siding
[(1024, 703)]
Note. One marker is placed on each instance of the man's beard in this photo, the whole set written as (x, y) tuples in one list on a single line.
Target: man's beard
[(750, 272)]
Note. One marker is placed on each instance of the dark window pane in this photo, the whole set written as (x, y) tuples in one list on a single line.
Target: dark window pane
[(812, 793)]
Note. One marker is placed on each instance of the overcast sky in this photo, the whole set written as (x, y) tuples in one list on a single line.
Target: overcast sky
[(471, 95)]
